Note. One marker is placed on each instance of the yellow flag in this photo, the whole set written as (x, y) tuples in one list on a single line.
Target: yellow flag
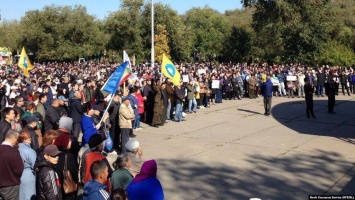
[(24, 63), (169, 70)]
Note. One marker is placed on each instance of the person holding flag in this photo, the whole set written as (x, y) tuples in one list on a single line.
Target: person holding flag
[(24, 63)]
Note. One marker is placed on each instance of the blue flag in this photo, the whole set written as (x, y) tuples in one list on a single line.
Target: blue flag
[(113, 82)]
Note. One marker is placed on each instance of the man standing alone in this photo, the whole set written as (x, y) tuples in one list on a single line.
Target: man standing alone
[(308, 90), (266, 91)]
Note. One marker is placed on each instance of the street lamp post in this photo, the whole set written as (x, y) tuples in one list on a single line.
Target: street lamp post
[(152, 64)]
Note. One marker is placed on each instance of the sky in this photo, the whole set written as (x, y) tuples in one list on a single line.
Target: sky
[(15, 9)]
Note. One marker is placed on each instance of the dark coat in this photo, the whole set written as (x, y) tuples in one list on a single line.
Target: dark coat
[(11, 166), (34, 138), (47, 182), (266, 88), (72, 166), (51, 120), (75, 110), (320, 79), (4, 127), (179, 95)]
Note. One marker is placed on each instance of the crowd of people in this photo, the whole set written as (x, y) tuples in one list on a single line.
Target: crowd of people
[(55, 132)]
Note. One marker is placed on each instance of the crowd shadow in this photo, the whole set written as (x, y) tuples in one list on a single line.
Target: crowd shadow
[(340, 125), (286, 177), (249, 111)]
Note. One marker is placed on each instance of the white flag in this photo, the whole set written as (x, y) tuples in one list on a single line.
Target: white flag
[(126, 58)]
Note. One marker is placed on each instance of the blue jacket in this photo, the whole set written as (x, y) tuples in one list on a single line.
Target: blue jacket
[(266, 88), (94, 190), (88, 127)]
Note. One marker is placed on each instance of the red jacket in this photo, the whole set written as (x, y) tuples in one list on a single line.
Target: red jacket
[(140, 103)]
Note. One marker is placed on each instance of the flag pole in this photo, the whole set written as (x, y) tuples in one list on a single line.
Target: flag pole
[(152, 64)]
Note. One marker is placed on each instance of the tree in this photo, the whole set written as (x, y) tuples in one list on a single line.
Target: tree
[(10, 34), (179, 37), (124, 28), (291, 31), (161, 42), (60, 33), (239, 45), (209, 30)]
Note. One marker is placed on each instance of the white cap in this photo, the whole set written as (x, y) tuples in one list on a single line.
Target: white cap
[(132, 145)]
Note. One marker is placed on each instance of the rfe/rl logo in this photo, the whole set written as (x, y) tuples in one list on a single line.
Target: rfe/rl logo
[(25, 62)]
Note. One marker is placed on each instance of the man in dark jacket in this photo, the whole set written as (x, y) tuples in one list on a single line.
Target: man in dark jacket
[(8, 115), (19, 102), (266, 91), (115, 128), (330, 88), (308, 90), (51, 120), (148, 94), (11, 167), (320, 82), (76, 113), (47, 181), (31, 126), (158, 105)]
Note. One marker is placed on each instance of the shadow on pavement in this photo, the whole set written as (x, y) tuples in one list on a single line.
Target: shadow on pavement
[(286, 177), (340, 125)]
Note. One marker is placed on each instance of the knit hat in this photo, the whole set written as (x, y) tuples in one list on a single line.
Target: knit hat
[(95, 140), (66, 123), (62, 140)]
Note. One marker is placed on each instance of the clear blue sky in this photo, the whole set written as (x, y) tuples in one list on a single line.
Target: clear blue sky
[(15, 9)]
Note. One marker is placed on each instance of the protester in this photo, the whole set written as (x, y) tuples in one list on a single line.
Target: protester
[(145, 185), (11, 167), (66, 160), (29, 156), (122, 176), (266, 91), (52, 116), (135, 155), (48, 185), (126, 116), (308, 90), (96, 189), (8, 115)]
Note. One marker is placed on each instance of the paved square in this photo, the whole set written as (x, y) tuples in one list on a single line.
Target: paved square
[(233, 151)]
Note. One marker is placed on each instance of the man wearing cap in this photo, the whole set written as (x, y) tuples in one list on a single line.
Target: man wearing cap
[(126, 115), (135, 154), (31, 126), (11, 167), (96, 147), (48, 185)]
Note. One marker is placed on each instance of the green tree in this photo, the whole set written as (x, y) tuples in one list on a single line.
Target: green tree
[(60, 33), (336, 53), (179, 38), (10, 35), (239, 45), (124, 28), (208, 28), (291, 30)]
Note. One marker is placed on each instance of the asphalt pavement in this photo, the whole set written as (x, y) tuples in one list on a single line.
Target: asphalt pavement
[(233, 151)]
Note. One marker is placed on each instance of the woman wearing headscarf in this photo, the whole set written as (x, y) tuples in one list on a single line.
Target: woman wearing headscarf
[(28, 155), (63, 143), (145, 185)]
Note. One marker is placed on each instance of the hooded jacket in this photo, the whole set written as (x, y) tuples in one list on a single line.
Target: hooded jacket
[(47, 182), (94, 190)]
